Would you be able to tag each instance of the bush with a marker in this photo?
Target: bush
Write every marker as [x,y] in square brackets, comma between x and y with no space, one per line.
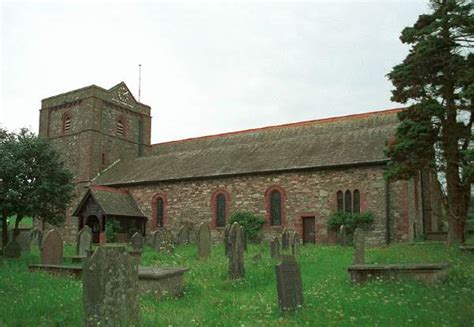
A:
[350,220]
[112,227]
[251,223]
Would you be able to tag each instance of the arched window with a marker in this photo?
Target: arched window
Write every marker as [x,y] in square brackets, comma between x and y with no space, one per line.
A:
[220,202]
[158,208]
[220,210]
[275,208]
[340,201]
[348,201]
[356,199]
[66,123]
[120,127]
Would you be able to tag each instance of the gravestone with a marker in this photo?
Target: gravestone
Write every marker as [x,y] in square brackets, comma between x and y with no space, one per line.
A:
[35,236]
[289,284]
[24,240]
[226,240]
[137,242]
[295,243]
[183,235]
[275,248]
[343,235]
[52,248]
[84,241]
[285,239]
[12,250]
[167,240]
[203,240]
[359,246]
[110,288]
[155,240]
[236,253]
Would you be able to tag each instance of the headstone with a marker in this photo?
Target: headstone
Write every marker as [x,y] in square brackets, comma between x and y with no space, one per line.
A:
[35,236]
[285,241]
[155,240]
[12,250]
[275,248]
[84,241]
[110,288]
[295,243]
[52,248]
[359,246]
[24,240]
[289,284]
[236,253]
[167,241]
[137,242]
[183,235]
[343,235]
[203,241]
[226,240]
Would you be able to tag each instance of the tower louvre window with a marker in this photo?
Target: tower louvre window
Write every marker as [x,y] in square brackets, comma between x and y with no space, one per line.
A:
[66,123]
[120,127]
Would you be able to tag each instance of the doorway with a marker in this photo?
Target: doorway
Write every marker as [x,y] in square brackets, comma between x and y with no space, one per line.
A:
[93,223]
[309,233]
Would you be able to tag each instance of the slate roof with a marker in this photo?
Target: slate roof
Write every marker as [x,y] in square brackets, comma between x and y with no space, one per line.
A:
[349,140]
[112,202]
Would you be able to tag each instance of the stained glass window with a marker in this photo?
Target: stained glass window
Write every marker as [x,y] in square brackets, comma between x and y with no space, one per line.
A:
[220,210]
[160,211]
[275,208]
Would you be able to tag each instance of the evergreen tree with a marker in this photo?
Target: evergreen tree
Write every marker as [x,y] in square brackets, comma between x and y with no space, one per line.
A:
[33,180]
[436,81]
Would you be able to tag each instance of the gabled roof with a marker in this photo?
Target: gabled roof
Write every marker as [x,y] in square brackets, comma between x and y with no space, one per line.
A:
[112,201]
[341,141]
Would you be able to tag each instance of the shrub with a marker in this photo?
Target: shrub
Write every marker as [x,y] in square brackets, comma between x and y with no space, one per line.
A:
[252,224]
[112,227]
[350,220]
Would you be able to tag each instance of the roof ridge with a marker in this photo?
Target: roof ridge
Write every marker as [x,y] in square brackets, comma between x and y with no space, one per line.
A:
[109,189]
[295,124]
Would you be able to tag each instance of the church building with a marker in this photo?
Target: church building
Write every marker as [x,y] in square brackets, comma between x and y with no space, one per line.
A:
[294,175]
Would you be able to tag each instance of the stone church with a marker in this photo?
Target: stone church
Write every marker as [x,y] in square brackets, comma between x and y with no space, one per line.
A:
[294,175]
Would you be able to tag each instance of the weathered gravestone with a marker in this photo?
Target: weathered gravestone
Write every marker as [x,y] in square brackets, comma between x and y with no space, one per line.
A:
[52,248]
[236,253]
[24,240]
[289,284]
[35,236]
[84,241]
[167,241]
[183,235]
[137,242]
[226,240]
[155,240]
[343,235]
[110,288]
[203,240]
[275,248]
[12,250]
[285,239]
[359,246]
[295,243]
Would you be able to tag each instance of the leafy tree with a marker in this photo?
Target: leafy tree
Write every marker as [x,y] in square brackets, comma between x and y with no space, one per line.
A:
[34,182]
[436,80]
[250,222]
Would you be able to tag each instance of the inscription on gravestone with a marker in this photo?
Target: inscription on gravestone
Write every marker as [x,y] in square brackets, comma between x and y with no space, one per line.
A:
[289,284]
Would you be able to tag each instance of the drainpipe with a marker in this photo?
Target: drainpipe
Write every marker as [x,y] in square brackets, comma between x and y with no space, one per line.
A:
[387,212]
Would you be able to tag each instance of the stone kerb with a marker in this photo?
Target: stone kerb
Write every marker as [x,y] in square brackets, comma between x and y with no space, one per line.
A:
[52,248]
[204,240]
[289,284]
[110,288]
[236,253]
[84,241]
[137,241]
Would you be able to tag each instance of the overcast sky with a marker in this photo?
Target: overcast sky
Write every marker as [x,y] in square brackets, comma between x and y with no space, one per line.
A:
[207,67]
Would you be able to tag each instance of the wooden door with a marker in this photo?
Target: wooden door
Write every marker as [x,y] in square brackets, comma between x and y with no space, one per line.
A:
[309,233]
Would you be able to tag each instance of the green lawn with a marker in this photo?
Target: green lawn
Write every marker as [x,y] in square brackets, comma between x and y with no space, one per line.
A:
[210,299]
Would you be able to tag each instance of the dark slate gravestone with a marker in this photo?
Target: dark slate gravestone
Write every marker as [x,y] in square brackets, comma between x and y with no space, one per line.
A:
[137,242]
[24,240]
[236,253]
[275,248]
[12,250]
[295,243]
[84,241]
[35,236]
[359,246]
[183,235]
[110,288]
[343,235]
[285,241]
[52,248]
[226,240]
[203,241]
[289,284]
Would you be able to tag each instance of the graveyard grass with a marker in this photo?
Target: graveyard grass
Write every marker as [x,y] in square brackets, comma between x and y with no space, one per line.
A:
[211,299]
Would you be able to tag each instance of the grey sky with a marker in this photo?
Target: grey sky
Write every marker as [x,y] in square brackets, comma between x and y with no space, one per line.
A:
[207,67]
